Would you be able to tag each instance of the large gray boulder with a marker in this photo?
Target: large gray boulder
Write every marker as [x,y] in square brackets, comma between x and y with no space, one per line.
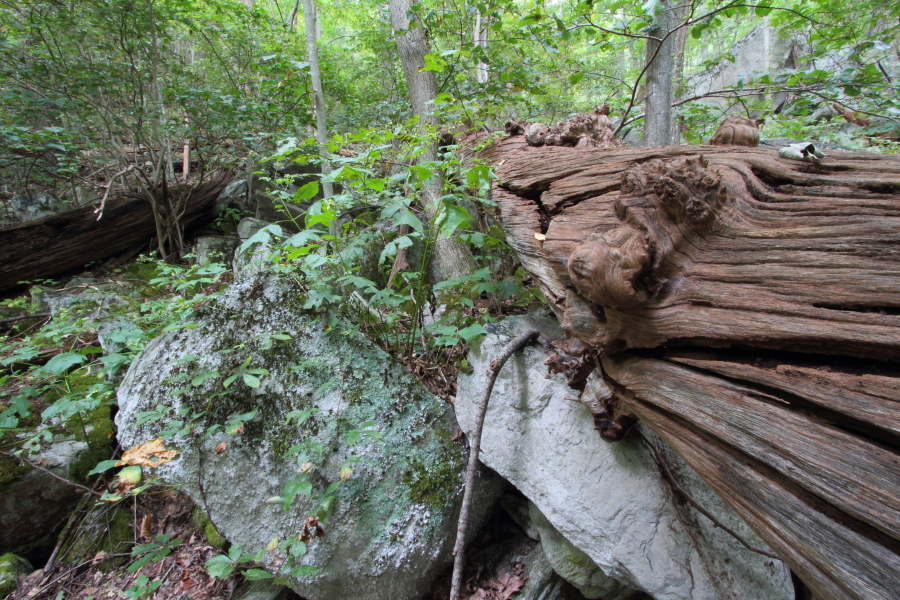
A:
[392,526]
[608,500]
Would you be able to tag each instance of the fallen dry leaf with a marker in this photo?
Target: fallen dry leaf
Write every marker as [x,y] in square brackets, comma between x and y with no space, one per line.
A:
[221,447]
[146,524]
[149,454]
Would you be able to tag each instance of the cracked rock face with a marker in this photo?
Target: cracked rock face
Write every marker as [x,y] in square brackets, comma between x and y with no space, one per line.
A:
[609,501]
[392,526]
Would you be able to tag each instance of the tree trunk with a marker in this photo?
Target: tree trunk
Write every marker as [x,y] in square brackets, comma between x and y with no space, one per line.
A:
[745,307]
[451,258]
[479,38]
[309,13]
[660,68]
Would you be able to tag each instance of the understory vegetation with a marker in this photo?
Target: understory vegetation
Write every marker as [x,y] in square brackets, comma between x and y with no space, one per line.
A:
[128,98]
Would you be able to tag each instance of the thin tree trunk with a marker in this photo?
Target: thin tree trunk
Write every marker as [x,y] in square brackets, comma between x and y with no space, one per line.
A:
[661,64]
[309,12]
[479,37]
[451,258]
[681,13]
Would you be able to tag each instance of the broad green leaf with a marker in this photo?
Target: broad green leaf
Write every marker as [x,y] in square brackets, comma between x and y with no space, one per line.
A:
[407,217]
[306,192]
[471,332]
[63,362]
[219,566]
[451,218]
[576,77]
[251,380]
[257,574]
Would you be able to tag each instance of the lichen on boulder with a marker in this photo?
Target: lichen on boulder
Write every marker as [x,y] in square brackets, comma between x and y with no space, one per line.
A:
[391,527]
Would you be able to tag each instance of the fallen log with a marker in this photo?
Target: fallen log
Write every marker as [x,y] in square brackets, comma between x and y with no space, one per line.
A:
[745,307]
[59,243]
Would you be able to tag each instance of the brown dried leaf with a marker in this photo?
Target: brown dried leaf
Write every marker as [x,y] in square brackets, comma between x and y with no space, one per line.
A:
[221,447]
[146,524]
[149,454]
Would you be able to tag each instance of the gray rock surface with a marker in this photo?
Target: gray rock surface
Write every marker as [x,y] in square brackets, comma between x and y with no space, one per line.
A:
[34,505]
[214,248]
[392,526]
[36,205]
[608,500]
[249,226]
[573,565]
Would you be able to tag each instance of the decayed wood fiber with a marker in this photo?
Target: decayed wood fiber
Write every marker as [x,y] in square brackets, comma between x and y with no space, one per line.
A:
[746,308]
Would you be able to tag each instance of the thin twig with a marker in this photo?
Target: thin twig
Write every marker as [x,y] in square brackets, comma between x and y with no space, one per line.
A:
[474,448]
[108,188]
[667,475]
[48,472]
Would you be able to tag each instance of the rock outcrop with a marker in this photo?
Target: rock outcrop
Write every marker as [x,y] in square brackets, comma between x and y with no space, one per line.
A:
[611,502]
[391,527]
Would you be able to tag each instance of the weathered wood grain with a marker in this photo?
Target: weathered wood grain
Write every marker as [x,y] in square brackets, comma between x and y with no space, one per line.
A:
[59,243]
[745,307]
[812,272]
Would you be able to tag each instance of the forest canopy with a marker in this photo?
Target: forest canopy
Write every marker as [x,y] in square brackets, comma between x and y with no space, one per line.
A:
[87,83]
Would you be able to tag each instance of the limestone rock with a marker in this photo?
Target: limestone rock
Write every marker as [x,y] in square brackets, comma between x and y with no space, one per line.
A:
[607,500]
[33,206]
[249,226]
[214,248]
[392,526]
[34,503]
[573,565]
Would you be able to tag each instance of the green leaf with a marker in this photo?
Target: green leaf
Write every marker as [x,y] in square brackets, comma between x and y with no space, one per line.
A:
[762,11]
[251,380]
[257,574]
[62,362]
[306,192]
[407,217]
[103,467]
[199,379]
[576,77]
[219,566]
[304,571]
[451,218]
[472,331]
[227,383]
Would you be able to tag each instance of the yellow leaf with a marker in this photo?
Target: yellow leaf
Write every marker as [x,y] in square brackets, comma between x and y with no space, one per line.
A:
[306,467]
[540,237]
[346,473]
[149,454]
[272,545]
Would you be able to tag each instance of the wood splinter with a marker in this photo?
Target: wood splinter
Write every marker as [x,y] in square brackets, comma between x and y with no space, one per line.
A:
[474,448]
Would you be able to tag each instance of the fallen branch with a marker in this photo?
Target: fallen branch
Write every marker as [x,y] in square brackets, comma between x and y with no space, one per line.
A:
[23,317]
[474,447]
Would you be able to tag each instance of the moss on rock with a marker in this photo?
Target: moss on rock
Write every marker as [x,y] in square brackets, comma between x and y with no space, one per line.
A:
[204,524]
[11,566]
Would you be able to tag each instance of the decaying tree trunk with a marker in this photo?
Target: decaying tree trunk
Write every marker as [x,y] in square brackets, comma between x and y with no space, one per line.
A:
[747,309]
[59,243]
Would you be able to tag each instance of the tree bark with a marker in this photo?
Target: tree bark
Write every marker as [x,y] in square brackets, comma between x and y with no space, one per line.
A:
[660,69]
[745,307]
[312,47]
[451,258]
[60,243]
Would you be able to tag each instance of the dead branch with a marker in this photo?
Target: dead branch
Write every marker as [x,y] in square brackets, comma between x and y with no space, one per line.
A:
[474,447]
